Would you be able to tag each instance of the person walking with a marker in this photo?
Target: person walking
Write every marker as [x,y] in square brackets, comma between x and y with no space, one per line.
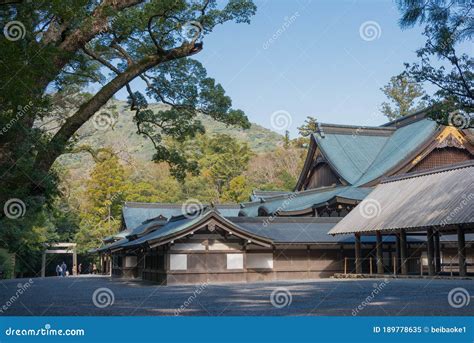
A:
[58,270]
[64,268]
[94,269]
[80,269]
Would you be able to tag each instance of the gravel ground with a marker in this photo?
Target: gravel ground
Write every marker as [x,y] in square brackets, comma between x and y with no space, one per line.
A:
[81,296]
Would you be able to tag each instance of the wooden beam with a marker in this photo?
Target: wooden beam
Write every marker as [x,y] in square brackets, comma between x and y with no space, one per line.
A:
[403,252]
[379,253]
[462,252]
[358,253]
[430,251]
[59,251]
[61,245]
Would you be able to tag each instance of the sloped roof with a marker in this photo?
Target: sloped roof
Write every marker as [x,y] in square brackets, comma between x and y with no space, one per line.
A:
[136,213]
[119,235]
[148,225]
[435,198]
[274,230]
[362,154]
[305,199]
[258,194]
[181,224]
[113,245]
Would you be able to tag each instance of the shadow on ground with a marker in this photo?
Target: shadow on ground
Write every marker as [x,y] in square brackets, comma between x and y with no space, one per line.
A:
[329,297]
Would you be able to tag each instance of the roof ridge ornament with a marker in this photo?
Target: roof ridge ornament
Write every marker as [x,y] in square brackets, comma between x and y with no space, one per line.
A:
[320,130]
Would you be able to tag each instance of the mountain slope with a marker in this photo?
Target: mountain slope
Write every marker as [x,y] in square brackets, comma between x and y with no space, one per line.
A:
[119,132]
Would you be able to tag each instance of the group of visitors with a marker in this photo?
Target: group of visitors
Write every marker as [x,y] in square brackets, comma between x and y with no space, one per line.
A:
[61,270]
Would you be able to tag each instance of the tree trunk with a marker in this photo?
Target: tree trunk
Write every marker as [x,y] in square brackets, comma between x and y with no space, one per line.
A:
[46,156]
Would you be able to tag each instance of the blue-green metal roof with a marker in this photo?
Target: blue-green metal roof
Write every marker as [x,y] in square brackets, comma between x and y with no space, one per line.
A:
[305,199]
[135,214]
[350,155]
[360,157]
[168,229]
[405,141]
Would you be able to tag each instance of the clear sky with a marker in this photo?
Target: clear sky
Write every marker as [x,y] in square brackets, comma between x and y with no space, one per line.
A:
[320,63]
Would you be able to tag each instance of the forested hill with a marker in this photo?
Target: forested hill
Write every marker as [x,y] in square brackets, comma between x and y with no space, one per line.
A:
[119,131]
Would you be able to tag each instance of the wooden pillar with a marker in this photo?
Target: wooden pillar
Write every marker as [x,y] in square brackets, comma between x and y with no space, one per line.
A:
[437,252]
[403,252]
[379,253]
[43,265]
[430,251]
[74,261]
[397,253]
[461,252]
[358,254]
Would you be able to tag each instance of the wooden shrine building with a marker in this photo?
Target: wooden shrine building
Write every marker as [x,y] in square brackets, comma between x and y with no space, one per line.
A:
[301,234]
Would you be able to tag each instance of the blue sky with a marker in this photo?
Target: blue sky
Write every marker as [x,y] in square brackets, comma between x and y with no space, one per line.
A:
[318,65]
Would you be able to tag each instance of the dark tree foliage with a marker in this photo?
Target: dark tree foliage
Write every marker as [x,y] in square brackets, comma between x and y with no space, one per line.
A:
[447,24]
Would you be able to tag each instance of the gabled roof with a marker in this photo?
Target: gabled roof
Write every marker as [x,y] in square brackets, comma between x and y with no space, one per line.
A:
[360,155]
[440,198]
[136,213]
[183,224]
[303,200]
[266,231]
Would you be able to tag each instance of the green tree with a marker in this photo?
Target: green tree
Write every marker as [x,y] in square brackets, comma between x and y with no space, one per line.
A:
[447,24]
[309,127]
[105,192]
[402,94]
[222,158]
[238,190]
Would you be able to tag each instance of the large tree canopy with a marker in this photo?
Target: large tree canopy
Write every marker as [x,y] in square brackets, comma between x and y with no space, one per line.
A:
[51,50]
[447,24]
